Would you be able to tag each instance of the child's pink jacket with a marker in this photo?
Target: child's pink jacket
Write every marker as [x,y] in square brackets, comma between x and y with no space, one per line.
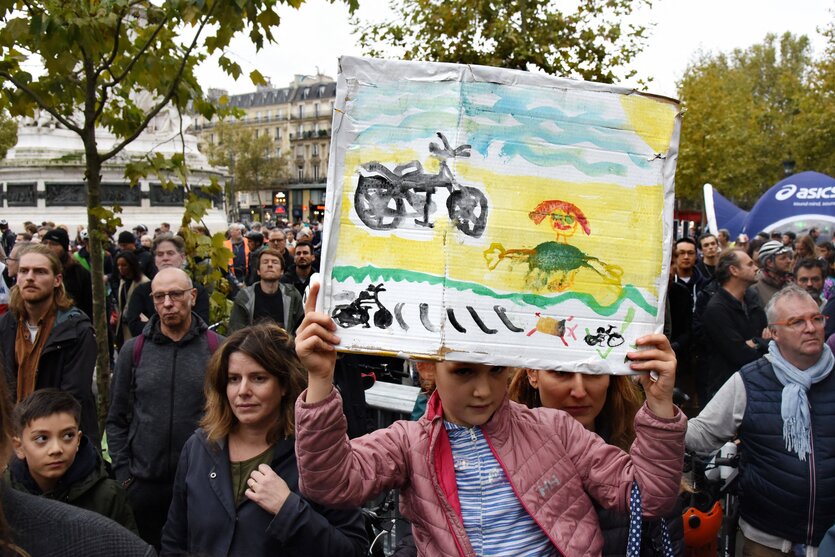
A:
[552,462]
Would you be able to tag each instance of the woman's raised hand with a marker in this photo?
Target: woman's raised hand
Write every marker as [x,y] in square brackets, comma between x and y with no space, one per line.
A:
[315,346]
[657,357]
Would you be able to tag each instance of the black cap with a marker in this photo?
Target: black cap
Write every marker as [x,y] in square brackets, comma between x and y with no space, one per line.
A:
[256,236]
[59,236]
[125,237]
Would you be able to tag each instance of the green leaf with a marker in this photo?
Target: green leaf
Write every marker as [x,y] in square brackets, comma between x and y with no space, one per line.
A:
[257,78]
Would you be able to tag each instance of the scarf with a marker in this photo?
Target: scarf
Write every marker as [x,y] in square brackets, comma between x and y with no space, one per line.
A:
[794,406]
[28,354]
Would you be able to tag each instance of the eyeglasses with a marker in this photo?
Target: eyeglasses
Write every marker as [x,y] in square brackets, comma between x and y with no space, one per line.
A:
[175,295]
[798,323]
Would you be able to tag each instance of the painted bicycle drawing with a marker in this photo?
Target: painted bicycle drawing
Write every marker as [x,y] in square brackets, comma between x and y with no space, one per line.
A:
[383,194]
[604,335]
[358,312]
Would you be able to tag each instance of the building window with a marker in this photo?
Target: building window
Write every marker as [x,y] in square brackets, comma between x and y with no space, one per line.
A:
[316,110]
[278,134]
[321,90]
[315,172]
[301,174]
[315,150]
[299,130]
[301,111]
[306,92]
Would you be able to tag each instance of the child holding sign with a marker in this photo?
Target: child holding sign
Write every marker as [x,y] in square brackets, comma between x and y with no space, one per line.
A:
[479,474]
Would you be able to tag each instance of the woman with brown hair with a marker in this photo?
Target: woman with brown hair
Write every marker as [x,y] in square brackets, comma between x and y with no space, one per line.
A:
[804,248]
[236,488]
[606,405]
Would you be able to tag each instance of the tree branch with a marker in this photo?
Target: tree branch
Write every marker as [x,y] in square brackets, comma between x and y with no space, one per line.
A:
[109,62]
[153,112]
[118,79]
[41,103]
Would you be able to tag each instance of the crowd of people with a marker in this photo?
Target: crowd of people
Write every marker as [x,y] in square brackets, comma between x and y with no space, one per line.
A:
[241,446]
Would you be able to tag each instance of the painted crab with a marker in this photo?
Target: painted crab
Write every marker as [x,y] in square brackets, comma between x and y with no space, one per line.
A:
[553,265]
[565,218]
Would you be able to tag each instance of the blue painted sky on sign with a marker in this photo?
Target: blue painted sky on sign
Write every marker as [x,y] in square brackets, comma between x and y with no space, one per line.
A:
[517,120]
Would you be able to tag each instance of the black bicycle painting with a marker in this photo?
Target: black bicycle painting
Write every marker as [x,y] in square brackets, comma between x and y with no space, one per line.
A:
[382,194]
[358,312]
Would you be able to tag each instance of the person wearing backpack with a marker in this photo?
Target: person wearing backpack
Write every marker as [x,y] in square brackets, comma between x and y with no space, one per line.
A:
[157,398]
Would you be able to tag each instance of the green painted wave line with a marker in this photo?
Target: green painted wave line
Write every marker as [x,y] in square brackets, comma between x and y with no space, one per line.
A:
[372,273]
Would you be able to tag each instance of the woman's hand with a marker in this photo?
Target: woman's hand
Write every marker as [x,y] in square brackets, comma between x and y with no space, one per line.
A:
[267,489]
[315,343]
[658,357]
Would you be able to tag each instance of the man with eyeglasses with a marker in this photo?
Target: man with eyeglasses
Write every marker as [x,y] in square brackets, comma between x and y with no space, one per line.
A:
[157,398]
[169,251]
[13,262]
[732,324]
[780,407]
[278,241]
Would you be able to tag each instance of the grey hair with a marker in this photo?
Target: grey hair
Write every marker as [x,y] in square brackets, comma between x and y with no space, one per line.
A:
[789,291]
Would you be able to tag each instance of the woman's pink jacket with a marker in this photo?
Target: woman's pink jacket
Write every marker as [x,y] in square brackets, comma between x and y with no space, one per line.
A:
[554,465]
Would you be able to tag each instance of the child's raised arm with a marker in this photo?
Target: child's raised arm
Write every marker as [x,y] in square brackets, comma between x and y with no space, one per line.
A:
[658,357]
[315,342]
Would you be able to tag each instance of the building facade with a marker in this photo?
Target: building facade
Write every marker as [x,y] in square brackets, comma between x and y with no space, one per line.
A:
[298,118]
[42,177]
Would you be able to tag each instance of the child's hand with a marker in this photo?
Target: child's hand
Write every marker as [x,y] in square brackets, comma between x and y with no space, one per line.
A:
[660,358]
[267,489]
[315,347]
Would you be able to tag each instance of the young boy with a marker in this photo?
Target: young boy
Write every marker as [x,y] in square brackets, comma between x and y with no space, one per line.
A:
[56,460]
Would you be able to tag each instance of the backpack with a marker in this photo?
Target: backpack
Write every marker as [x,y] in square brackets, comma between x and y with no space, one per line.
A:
[212,339]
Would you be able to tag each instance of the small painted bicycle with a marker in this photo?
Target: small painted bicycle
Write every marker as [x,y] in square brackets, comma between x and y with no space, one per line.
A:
[382,194]
[609,336]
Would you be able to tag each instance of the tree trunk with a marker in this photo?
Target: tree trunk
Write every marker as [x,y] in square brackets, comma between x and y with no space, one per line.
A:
[97,233]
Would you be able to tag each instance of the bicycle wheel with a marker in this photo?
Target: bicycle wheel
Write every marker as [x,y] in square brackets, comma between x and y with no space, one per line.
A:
[377,203]
[468,209]
[592,340]
[614,340]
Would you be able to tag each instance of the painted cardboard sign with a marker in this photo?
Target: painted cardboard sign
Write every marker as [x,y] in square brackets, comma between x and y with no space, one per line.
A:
[488,215]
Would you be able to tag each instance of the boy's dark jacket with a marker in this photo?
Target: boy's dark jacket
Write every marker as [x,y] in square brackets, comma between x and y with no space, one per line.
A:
[85,485]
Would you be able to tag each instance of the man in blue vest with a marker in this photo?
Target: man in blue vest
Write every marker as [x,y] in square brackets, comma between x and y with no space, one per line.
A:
[781,408]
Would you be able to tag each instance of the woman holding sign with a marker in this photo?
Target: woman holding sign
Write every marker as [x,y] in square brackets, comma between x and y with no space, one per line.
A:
[606,405]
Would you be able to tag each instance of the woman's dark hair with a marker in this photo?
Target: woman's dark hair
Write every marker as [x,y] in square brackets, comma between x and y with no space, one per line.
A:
[133,264]
[272,348]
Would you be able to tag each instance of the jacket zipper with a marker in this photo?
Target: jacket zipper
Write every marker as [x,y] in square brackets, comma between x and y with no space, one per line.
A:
[519,497]
[810,528]
[449,510]
[171,413]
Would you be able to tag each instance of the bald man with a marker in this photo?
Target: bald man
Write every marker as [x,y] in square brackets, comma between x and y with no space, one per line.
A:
[157,398]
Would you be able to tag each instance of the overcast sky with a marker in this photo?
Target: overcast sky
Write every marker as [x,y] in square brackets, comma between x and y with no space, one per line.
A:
[319,32]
